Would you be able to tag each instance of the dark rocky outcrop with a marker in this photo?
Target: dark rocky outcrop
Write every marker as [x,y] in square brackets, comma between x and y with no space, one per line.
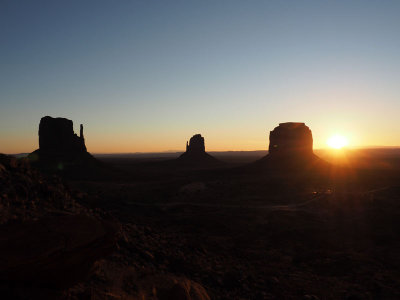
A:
[56,135]
[55,251]
[48,241]
[291,139]
[196,144]
[179,289]
[196,153]
[27,195]
[63,151]
[291,149]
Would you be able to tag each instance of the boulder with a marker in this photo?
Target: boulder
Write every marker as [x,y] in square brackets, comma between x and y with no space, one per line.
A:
[183,289]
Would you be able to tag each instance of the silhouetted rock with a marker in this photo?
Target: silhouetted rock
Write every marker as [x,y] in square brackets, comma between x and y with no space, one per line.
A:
[56,135]
[196,144]
[196,153]
[61,150]
[291,149]
[291,139]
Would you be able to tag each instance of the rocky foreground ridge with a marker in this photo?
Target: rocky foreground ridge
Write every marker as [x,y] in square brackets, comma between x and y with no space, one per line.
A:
[53,247]
[48,242]
[26,195]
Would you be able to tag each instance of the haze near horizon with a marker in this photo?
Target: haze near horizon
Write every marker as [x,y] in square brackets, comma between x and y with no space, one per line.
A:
[146,76]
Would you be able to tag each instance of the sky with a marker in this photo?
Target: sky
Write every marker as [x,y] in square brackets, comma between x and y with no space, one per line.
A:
[144,76]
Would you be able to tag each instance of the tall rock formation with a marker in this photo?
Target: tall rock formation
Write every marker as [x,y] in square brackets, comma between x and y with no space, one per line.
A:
[291,151]
[196,144]
[291,139]
[60,149]
[196,153]
[56,135]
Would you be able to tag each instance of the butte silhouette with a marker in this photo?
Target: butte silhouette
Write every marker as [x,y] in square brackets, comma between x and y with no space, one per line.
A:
[291,149]
[196,153]
[59,147]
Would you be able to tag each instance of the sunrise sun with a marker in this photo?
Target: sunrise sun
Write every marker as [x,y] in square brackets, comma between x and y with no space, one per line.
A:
[337,141]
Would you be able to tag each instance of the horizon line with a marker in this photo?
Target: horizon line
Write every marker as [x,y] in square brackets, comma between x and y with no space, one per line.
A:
[216,151]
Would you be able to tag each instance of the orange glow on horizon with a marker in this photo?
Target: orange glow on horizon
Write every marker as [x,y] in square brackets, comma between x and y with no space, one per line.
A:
[214,141]
[337,141]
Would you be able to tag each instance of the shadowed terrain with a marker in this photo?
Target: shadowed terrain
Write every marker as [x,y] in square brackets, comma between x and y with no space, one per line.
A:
[286,225]
[254,234]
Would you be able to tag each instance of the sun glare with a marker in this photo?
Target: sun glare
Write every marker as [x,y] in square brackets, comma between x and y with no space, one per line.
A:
[337,141]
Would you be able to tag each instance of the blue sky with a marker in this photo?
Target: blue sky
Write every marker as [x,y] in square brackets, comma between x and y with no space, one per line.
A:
[146,75]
